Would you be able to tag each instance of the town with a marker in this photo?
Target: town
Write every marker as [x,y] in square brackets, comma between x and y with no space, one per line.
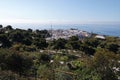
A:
[66,34]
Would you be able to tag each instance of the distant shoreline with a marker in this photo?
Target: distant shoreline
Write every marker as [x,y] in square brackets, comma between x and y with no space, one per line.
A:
[103,29]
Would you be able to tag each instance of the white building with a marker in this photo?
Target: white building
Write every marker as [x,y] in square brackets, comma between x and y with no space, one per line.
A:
[99,37]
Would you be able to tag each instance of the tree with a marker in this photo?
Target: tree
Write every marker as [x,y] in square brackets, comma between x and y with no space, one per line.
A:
[40,43]
[30,30]
[92,42]
[8,27]
[18,63]
[73,38]
[88,50]
[102,64]
[4,41]
[73,45]
[112,47]
[1,26]
[27,41]
[43,58]
[3,54]
[16,36]
[60,44]
[42,33]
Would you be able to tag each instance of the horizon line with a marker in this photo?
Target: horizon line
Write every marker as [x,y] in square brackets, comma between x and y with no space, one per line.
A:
[29,21]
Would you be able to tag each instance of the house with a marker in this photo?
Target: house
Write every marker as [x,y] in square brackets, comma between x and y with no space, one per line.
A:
[100,37]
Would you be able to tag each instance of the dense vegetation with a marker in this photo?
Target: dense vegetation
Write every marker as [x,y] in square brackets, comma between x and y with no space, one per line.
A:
[26,55]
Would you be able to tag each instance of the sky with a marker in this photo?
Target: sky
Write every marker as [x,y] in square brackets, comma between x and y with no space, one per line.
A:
[60,11]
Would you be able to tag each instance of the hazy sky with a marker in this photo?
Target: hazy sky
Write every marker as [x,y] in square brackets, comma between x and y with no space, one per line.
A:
[59,11]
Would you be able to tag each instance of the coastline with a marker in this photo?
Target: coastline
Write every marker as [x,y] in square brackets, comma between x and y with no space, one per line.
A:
[105,29]
[102,29]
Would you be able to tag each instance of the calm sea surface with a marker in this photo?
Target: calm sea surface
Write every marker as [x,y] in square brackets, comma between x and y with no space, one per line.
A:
[112,30]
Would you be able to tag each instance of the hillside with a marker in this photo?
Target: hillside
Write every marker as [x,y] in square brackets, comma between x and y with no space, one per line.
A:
[58,55]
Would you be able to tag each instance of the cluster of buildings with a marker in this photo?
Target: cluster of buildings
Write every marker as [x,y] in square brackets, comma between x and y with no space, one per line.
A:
[66,34]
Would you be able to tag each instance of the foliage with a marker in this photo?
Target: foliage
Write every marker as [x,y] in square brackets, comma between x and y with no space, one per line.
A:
[85,59]
[44,72]
[102,62]
[40,43]
[59,44]
[88,50]
[8,75]
[4,41]
[44,58]
[16,62]
[92,42]
[112,47]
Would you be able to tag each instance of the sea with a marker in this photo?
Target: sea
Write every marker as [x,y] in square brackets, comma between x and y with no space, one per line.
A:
[102,29]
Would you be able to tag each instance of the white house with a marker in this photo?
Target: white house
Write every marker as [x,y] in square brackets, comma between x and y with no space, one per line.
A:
[99,37]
